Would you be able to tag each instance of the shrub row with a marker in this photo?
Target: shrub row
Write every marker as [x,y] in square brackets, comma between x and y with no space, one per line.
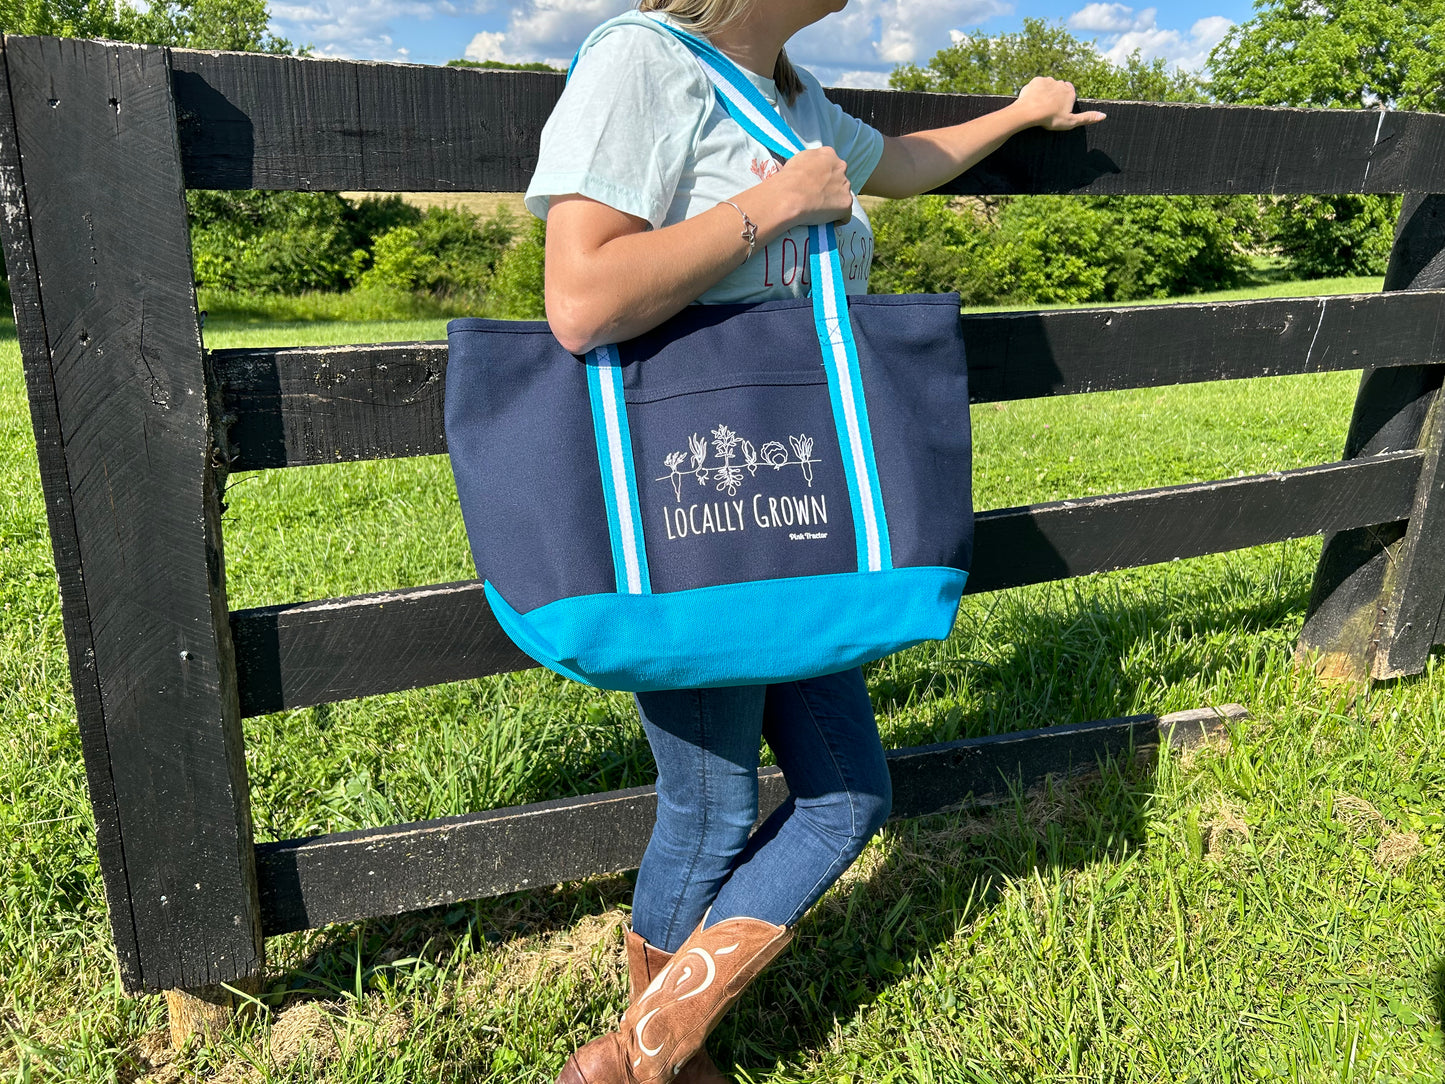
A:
[295,242]
[1077,249]
[1009,250]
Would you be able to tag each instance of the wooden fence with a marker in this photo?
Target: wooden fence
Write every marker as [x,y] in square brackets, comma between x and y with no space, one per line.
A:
[137,427]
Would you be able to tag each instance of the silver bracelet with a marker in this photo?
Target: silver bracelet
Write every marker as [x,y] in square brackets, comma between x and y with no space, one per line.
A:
[750,229]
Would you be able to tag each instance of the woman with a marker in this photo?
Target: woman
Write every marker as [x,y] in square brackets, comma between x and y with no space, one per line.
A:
[655,199]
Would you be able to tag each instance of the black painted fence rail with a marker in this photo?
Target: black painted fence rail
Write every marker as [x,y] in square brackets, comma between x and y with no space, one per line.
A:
[346,876]
[254,121]
[300,654]
[300,406]
[137,428]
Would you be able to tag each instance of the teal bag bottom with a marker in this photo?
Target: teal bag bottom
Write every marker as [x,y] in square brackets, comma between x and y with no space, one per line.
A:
[752,633]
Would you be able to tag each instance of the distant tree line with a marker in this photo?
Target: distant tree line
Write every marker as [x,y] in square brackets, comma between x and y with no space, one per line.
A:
[1040,249]
[189,24]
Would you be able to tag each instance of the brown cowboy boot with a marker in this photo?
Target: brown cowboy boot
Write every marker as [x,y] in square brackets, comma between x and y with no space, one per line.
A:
[671,1018]
[644,961]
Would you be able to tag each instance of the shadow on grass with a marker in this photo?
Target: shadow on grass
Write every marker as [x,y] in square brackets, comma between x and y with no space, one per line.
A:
[935,876]
[1079,651]
[930,877]
[888,916]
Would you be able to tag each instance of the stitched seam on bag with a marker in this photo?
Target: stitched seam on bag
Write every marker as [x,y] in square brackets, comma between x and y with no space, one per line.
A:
[543,329]
[647,398]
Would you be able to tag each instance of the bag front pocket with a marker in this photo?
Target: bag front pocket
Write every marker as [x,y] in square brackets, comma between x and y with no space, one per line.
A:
[741,482]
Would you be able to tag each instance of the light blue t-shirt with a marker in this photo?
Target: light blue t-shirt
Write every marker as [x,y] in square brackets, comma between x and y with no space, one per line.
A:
[639,128]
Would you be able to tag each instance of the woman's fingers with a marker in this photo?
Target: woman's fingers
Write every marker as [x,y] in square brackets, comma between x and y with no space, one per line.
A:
[818,182]
[1050,103]
[1077,120]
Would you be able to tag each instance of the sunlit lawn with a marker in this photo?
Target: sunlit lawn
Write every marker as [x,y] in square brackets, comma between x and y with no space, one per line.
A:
[1267,909]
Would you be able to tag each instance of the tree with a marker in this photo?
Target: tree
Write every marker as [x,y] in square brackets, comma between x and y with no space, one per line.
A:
[1041,249]
[191,24]
[446,252]
[1003,63]
[924,246]
[502,65]
[285,242]
[1351,54]
[238,25]
[64,18]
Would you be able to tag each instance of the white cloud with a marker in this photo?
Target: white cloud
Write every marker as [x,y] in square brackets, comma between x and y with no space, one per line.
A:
[360,29]
[842,77]
[877,35]
[545,30]
[488,46]
[1185,50]
[1210,31]
[1126,30]
[860,44]
[1110,19]
[297,13]
[557,27]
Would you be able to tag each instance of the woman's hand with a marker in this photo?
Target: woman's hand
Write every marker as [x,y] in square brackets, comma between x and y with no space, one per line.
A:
[812,188]
[609,277]
[1049,104]
[921,161]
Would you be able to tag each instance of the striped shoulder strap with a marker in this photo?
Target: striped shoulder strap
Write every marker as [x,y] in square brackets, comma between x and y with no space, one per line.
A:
[762,121]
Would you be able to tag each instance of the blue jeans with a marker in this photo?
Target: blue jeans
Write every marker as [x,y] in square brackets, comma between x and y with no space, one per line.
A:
[706,744]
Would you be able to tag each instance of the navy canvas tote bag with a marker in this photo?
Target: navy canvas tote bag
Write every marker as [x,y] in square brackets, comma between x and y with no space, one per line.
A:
[746,494]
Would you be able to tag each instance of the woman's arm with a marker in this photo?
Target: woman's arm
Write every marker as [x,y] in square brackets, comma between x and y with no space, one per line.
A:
[921,161]
[609,278]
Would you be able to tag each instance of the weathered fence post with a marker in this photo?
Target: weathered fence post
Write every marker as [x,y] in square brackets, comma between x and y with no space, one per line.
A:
[98,251]
[1375,609]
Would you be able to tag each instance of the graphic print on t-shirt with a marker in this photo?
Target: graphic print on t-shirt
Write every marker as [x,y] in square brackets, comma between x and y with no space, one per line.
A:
[785,261]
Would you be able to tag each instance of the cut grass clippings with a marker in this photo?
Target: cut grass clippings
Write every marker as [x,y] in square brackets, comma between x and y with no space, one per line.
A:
[1267,908]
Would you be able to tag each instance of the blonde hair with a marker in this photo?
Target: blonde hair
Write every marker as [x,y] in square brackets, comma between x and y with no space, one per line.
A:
[705,17]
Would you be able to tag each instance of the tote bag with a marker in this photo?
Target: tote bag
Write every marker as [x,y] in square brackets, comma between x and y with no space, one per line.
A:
[746,494]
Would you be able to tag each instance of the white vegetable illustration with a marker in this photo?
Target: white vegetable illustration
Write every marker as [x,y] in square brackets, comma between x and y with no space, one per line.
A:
[699,455]
[673,461]
[803,448]
[729,475]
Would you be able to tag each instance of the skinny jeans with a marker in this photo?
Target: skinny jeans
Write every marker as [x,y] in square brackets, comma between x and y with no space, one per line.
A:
[706,744]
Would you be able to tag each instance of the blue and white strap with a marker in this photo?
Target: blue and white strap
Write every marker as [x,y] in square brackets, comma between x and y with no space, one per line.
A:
[619,478]
[761,120]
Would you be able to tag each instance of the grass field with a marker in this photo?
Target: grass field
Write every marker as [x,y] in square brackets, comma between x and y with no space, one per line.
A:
[1267,909]
[481,204]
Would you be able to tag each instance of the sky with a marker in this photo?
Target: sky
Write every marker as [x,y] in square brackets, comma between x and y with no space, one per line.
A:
[856,47]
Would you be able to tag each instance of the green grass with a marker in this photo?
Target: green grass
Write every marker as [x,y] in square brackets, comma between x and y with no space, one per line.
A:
[1266,288]
[233,309]
[1268,909]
